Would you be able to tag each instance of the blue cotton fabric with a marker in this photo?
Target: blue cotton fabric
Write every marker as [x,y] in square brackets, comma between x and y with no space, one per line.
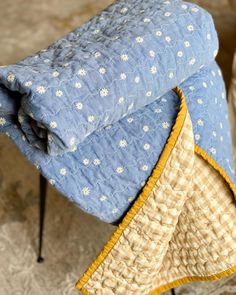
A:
[94,110]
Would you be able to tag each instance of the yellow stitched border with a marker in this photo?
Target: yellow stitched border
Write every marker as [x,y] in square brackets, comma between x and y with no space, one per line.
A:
[144,194]
[191,279]
[216,166]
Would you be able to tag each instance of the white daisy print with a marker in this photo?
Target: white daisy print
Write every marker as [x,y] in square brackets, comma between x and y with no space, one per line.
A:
[122,76]
[119,170]
[23,138]
[123,143]
[96,31]
[78,85]
[171,75]
[158,110]
[96,162]
[152,53]
[28,83]
[200,122]
[63,171]
[145,128]
[197,136]
[214,133]
[186,44]
[41,89]
[10,78]
[2,121]
[192,61]
[85,191]
[213,150]
[199,101]
[195,9]
[165,125]
[103,92]
[114,210]
[86,162]
[59,93]
[123,10]
[192,88]
[124,57]
[130,120]
[208,36]
[82,72]
[153,70]
[146,20]
[184,6]
[79,105]
[72,141]
[55,74]
[190,28]
[103,198]
[20,119]
[204,84]
[167,14]
[180,53]
[137,79]
[53,124]
[102,70]
[145,167]
[146,146]
[149,93]
[168,39]
[121,100]
[139,39]
[158,33]
[130,199]
[97,54]
[52,181]
[91,119]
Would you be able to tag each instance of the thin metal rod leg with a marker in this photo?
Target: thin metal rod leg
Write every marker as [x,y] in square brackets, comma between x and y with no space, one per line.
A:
[42,207]
[173,292]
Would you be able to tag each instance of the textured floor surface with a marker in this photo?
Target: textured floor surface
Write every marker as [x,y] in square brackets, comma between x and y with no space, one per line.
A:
[72,238]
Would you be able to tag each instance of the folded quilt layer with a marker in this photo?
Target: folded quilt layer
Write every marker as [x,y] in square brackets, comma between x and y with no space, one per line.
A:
[94,110]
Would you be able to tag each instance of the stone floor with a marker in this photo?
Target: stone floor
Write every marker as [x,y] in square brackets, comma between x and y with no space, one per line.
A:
[72,238]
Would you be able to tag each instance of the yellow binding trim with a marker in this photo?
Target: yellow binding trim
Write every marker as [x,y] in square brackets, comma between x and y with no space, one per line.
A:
[143,195]
[190,279]
[216,166]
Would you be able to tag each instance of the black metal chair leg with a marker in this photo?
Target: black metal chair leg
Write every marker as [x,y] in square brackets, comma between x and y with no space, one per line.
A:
[42,206]
[173,291]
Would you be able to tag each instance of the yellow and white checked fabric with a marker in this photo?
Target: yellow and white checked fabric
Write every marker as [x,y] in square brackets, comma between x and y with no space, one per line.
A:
[182,227]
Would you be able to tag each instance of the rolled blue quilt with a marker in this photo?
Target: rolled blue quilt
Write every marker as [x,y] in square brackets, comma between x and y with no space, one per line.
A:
[95,109]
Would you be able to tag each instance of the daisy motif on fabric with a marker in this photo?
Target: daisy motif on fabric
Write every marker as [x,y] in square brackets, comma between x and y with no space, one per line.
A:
[145,128]
[103,92]
[53,124]
[123,143]
[2,121]
[86,162]
[78,85]
[85,191]
[103,198]
[165,125]
[139,39]
[63,171]
[124,57]
[144,167]
[28,83]
[96,162]
[122,76]
[10,78]
[119,170]
[41,89]
[79,105]
[102,70]
[82,72]
[59,93]
[153,70]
